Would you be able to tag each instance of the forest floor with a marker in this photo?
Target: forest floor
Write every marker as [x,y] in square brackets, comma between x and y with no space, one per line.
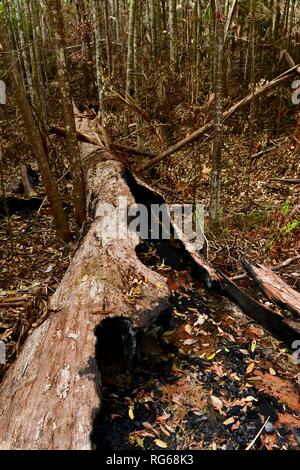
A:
[212,377]
[209,379]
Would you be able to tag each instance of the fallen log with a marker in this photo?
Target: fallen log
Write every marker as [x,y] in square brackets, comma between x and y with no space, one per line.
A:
[273,287]
[51,394]
[277,325]
[209,126]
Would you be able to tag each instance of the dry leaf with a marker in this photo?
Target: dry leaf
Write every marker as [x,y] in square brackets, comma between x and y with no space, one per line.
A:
[244,351]
[115,416]
[150,428]
[163,417]
[188,328]
[250,368]
[140,442]
[235,426]
[217,403]
[211,356]
[161,444]
[272,371]
[229,421]
[189,342]
[131,412]
[249,398]
[164,430]
[144,433]
[169,428]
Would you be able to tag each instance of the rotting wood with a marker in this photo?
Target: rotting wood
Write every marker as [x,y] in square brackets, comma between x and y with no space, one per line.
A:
[279,266]
[273,287]
[50,395]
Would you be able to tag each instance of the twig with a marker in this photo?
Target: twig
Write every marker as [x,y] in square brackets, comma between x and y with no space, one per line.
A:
[287,180]
[45,198]
[264,151]
[257,435]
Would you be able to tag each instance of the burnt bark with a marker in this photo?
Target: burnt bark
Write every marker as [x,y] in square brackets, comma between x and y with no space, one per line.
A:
[51,394]
[276,324]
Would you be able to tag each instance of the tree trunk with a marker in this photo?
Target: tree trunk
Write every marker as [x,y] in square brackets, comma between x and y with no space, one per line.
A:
[50,395]
[55,13]
[107,37]
[99,68]
[61,224]
[24,50]
[172,32]
[117,22]
[130,52]
[214,207]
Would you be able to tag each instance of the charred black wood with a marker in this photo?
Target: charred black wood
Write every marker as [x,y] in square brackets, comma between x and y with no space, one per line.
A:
[19,205]
[33,177]
[279,326]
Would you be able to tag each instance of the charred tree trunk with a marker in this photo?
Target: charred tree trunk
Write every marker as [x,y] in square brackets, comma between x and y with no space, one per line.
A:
[50,395]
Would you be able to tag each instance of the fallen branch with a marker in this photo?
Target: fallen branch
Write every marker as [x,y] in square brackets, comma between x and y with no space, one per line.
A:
[279,266]
[89,139]
[16,299]
[209,126]
[273,287]
[287,180]
[266,150]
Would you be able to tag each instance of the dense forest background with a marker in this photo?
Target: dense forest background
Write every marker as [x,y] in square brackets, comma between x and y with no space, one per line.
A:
[200,99]
[153,72]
